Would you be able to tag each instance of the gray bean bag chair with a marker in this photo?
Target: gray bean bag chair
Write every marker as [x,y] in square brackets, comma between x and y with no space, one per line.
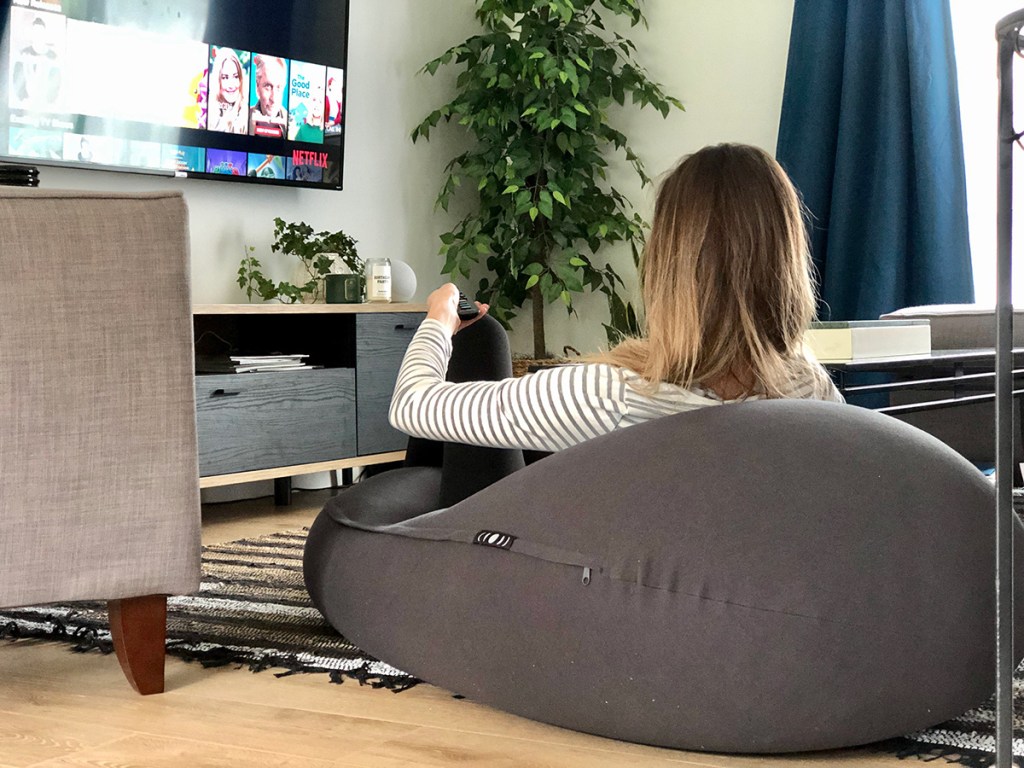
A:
[766,577]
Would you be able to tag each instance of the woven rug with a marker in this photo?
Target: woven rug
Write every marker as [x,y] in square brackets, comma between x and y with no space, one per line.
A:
[968,739]
[252,610]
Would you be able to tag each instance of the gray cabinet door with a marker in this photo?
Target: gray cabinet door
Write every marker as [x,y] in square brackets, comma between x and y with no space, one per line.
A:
[261,420]
[381,340]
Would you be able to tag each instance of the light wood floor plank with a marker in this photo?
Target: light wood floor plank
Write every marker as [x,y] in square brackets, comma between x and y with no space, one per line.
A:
[26,740]
[143,751]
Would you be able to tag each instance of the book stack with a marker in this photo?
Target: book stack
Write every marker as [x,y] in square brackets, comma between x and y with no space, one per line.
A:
[835,342]
[265,363]
[217,364]
[19,175]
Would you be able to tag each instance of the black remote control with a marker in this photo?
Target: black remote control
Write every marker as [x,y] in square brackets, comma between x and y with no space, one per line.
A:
[467,310]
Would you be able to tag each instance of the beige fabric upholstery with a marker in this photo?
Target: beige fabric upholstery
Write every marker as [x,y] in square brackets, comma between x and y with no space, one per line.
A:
[99,477]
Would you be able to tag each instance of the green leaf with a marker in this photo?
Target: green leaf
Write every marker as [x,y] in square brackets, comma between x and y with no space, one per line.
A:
[559,197]
[534,279]
[534,213]
[511,189]
[576,261]
[545,204]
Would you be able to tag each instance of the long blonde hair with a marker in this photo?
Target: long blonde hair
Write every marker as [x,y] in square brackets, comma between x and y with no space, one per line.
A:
[726,277]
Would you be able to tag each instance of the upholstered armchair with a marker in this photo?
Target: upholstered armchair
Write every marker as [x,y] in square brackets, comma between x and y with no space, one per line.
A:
[99,493]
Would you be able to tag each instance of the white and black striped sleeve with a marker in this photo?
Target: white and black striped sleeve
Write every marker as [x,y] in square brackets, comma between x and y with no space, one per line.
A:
[544,411]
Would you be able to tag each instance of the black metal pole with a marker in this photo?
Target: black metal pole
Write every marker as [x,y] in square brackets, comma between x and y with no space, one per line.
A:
[1006,34]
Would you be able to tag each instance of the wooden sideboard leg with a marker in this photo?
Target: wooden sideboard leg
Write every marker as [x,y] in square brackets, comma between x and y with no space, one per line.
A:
[138,627]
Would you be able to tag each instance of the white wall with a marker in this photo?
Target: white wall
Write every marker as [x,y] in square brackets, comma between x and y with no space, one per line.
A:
[725,60]
[975,41]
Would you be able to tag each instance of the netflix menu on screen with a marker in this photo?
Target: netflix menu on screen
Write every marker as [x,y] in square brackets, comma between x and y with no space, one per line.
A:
[93,93]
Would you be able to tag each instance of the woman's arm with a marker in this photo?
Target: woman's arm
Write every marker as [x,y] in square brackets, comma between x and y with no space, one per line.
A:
[545,411]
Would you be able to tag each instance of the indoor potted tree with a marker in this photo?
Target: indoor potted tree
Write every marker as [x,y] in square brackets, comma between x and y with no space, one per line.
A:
[535,94]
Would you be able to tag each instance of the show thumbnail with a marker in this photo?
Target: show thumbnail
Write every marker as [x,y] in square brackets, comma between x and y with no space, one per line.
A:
[307,166]
[306,102]
[268,99]
[102,150]
[335,101]
[193,115]
[38,41]
[266,166]
[33,142]
[183,159]
[228,90]
[145,154]
[224,162]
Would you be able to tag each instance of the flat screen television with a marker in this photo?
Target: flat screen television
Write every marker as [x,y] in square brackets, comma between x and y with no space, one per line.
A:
[237,90]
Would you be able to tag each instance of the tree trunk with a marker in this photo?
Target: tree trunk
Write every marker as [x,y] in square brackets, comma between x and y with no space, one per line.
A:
[540,347]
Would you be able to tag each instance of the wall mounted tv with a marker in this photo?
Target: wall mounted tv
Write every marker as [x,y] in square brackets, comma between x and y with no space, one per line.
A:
[239,90]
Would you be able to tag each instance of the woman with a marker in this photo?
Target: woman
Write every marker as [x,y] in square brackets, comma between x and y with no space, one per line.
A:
[227,93]
[728,294]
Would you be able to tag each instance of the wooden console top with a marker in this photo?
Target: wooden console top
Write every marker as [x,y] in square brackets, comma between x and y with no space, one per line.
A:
[302,309]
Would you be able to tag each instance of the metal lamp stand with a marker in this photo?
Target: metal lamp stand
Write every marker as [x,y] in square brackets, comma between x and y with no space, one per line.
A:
[1008,35]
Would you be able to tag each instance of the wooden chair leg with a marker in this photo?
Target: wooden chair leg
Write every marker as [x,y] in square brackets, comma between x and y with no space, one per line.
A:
[138,627]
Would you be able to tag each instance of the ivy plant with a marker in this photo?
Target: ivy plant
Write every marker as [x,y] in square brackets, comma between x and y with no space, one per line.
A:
[535,94]
[318,252]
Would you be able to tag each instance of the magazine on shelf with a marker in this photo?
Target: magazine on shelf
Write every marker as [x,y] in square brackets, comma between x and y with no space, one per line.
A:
[267,359]
[214,364]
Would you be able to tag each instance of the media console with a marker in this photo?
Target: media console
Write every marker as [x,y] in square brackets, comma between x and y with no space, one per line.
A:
[275,425]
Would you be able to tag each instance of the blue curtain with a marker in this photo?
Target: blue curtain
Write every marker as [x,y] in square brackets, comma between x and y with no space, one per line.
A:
[870,134]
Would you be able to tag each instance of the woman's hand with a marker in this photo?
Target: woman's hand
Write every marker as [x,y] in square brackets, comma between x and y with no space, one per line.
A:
[443,306]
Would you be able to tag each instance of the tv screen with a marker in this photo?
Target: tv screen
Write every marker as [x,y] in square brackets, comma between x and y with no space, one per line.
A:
[237,90]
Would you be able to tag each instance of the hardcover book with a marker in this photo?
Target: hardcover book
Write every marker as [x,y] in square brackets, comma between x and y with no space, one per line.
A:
[833,342]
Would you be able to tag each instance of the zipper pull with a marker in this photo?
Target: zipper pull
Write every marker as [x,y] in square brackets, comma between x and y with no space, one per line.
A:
[586,575]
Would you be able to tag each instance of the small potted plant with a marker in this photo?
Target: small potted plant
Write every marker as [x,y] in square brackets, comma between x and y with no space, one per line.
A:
[319,254]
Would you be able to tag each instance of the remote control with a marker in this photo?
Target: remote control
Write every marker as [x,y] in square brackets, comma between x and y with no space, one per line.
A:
[467,310]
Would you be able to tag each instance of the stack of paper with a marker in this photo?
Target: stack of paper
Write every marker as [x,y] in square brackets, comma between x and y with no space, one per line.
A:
[264,363]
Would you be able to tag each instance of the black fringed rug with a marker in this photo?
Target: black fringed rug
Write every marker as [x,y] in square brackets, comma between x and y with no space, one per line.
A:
[252,610]
[968,739]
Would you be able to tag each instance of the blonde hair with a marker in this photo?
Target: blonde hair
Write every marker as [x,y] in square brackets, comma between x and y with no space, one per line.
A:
[726,277]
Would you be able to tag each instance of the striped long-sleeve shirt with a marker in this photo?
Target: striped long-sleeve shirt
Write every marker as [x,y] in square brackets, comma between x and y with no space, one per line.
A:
[545,411]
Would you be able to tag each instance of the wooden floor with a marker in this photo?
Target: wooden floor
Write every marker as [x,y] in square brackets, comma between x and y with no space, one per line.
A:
[63,709]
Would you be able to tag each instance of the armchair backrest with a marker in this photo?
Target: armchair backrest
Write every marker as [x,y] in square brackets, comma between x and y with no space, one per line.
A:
[99,490]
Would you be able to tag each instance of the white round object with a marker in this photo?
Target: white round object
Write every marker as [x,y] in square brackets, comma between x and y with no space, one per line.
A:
[403,281]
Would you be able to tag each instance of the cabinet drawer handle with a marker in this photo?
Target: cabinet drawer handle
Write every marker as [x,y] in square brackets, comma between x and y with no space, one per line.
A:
[223,393]
[404,327]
